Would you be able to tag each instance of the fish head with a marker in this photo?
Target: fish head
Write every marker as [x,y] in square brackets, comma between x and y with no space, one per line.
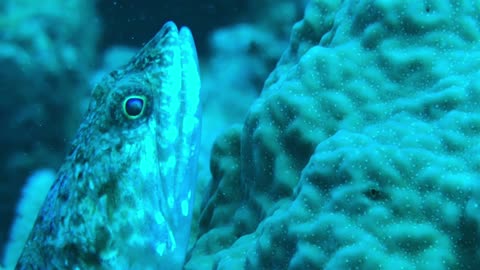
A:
[137,153]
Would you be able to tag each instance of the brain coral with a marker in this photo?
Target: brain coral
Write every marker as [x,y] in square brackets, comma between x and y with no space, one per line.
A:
[362,151]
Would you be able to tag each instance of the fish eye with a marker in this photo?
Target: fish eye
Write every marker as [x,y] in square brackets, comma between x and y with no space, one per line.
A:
[134,106]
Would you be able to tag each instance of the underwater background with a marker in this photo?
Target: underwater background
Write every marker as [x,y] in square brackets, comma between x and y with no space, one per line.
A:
[336,134]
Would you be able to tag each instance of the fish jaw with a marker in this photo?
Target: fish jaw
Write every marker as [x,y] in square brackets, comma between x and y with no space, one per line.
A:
[175,143]
[123,199]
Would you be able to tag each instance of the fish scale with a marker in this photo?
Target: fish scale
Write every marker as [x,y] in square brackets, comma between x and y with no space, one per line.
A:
[123,199]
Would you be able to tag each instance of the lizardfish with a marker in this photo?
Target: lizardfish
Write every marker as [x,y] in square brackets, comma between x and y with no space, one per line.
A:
[123,198]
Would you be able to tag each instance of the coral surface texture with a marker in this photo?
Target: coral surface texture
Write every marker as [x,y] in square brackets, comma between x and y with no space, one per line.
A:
[363,150]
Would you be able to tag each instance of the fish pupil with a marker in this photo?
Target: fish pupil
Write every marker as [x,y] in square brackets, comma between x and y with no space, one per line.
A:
[134,107]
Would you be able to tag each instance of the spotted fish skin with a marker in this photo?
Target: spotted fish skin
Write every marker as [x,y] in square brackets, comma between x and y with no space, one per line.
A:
[123,198]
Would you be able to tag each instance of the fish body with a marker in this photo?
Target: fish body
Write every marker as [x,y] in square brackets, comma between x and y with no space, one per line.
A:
[123,198]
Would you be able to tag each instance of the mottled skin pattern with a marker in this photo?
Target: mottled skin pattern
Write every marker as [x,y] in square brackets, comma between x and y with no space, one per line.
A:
[123,198]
